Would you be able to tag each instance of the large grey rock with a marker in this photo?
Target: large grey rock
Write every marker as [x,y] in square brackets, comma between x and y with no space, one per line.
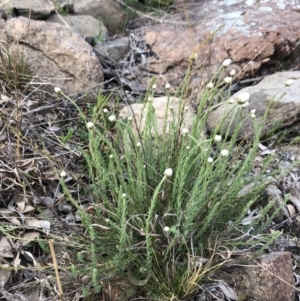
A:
[58,56]
[114,49]
[273,106]
[110,12]
[166,112]
[87,26]
[35,9]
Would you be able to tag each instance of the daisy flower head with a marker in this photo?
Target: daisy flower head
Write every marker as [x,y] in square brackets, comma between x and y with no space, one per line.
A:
[210,85]
[57,90]
[168,172]
[90,125]
[243,97]
[228,80]
[232,72]
[224,153]
[112,118]
[63,174]
[226,63]
[184,131]
[218,138]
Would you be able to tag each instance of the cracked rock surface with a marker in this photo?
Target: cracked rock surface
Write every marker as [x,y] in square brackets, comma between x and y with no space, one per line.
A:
[56,53]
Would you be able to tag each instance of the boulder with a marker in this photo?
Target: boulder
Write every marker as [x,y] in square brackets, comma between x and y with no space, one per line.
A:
[115,49]
[166,111]
[87,26]
[35,9]
[270,277]
[275,105]
[57,55]
[255,35]
[110,12]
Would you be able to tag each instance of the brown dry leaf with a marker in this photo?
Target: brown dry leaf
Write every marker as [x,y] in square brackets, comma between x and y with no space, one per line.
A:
[17,260]
[251,216]
[51,116]
[47,201]
[20,203]
[30,258]
[3,134]
[5,274]
[228,291]
[296,202]
[46,213]
[6,248]
[64,207]
[291,209]
[40,117]
[28,208]
[54,188]
[29,237]
[18,198]
[33,222]
[12,297]
[10,216]
[35,294]
[262,147]
[53,129]
[5,99]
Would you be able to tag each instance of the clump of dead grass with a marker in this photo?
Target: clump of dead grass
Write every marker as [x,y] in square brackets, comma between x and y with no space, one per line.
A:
[15,71]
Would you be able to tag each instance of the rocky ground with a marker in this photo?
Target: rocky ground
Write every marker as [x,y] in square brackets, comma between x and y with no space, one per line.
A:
[76,47]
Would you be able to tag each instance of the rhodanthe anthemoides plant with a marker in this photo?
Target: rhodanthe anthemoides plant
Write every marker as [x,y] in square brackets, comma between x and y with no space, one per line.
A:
[165,208]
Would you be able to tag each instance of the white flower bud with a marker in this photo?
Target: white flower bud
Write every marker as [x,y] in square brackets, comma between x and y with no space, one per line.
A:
[154,86]
[232,72]
[168,172]
[210,85]
[139,144]
[166,229]
[227,80]
[243,97]
[89,125]
[63,174]
[231,101]
[129,118]
[112,118]
[57,90]
[226,63]
[184,131]
[168,86]
[123,195]
[218,138]
[111,156]
[252,115]
[210,160]
[244,105]
[289,82]
[105,111]
[253,111]
[193,57]
[224,153]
